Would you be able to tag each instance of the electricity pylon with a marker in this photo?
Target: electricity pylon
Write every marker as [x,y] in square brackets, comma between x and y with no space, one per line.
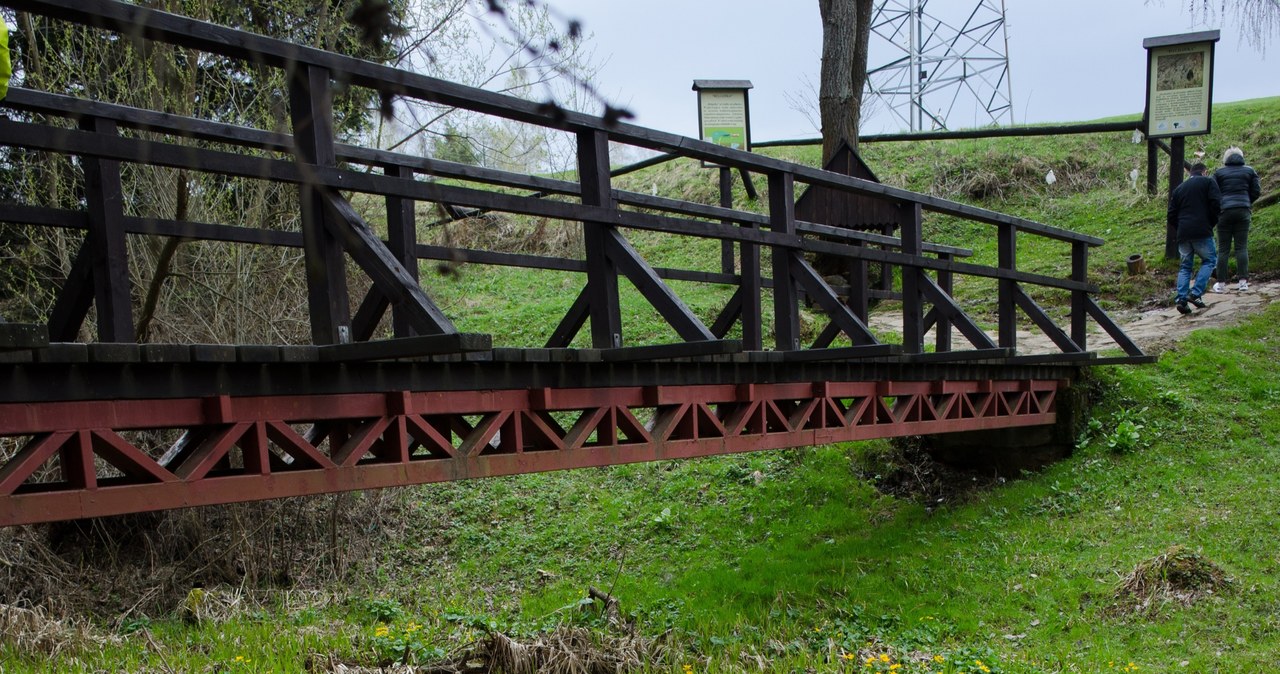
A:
[932,70]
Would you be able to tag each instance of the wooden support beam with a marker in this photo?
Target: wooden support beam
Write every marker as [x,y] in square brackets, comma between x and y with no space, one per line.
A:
[731,312]
[1007,245]
[74,298]
[826,298]
[311,111]
[391,277]
[572,323]
[1109,326]
[1079,307]
[372,308]
[942,324]
[912,311]
[946,306]
[602,276]
[1177,165]
[105,242]
[402,239]
[726,201]
[628,261]
[782,220]
[750,286]
[1042,321]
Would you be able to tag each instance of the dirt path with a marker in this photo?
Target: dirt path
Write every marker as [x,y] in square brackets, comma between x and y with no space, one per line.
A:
[1159,328]
[1153,330]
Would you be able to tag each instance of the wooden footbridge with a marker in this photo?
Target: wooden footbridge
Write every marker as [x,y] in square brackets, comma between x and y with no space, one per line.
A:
[389,392]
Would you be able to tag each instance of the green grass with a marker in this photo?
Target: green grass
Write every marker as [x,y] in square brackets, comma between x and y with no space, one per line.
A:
[793,560]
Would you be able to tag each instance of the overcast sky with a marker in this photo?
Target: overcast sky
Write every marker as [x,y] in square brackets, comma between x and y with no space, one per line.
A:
[1069,61]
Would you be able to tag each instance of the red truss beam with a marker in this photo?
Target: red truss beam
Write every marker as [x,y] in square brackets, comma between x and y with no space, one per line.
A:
[69,460]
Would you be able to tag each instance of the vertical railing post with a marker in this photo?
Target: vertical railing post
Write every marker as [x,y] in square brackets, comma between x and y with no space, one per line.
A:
[912,316]
[105,242]
[942,325]
[1177,165]
[1079,298]
[1007,305]
[782,220]
[311,111]
[602,276]
[886,269]
[402,239]
[750,285]
[859,292]
[726,201]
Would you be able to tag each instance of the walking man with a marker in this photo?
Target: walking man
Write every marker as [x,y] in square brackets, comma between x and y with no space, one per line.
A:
[1193,209]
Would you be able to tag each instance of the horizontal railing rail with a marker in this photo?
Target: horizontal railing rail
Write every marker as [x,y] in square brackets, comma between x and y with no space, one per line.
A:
[323,170]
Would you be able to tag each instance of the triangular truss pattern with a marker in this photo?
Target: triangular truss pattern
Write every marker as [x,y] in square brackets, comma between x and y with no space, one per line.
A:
[231,450]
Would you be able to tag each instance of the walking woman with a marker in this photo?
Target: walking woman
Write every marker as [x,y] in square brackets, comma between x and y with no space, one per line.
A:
[1240,188]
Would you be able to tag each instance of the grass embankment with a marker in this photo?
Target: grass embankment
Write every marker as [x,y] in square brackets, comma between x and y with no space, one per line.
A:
[794,560]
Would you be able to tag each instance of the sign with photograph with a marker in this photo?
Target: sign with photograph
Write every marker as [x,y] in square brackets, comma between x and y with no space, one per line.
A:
[723,114]
[1179,84]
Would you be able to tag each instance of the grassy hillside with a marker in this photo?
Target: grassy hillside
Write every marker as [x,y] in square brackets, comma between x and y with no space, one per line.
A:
[1151,550]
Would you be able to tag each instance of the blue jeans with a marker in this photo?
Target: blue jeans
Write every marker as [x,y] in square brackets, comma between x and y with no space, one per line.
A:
[1208,259]
[1233,232]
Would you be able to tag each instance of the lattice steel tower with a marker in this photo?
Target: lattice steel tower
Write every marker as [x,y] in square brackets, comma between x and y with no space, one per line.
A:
[927,69]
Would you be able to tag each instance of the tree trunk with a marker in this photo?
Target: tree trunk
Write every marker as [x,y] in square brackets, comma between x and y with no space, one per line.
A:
[846,29]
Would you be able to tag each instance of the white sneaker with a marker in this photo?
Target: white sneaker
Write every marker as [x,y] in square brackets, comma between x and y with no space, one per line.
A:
[1217,288]
[1244,285]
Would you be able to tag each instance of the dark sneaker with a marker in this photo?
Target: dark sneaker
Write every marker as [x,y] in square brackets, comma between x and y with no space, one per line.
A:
[1197,302]
[1183,308]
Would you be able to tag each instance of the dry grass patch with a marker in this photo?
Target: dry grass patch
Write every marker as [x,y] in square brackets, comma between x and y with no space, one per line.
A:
[1176,576]
[32,632]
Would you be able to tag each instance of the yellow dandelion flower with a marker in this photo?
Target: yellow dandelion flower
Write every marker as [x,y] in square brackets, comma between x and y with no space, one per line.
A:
[239,658]
[884,657]
[895,666]
[939,658]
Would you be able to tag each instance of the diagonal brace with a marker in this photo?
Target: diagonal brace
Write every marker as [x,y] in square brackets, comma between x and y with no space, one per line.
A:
[659,294]
[377,260]
[1037,315]
[944,305]
[841,315]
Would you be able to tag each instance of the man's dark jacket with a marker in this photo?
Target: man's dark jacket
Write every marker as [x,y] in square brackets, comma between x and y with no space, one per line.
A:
[1194,207]
[1239,183]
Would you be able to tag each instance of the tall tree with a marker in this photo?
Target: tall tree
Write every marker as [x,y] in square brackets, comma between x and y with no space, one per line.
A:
[846,31]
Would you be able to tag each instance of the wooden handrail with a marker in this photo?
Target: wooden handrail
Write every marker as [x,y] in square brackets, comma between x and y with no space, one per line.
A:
[170,28]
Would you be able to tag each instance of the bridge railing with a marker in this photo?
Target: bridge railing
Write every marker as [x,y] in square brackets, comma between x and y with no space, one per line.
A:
[324,169]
